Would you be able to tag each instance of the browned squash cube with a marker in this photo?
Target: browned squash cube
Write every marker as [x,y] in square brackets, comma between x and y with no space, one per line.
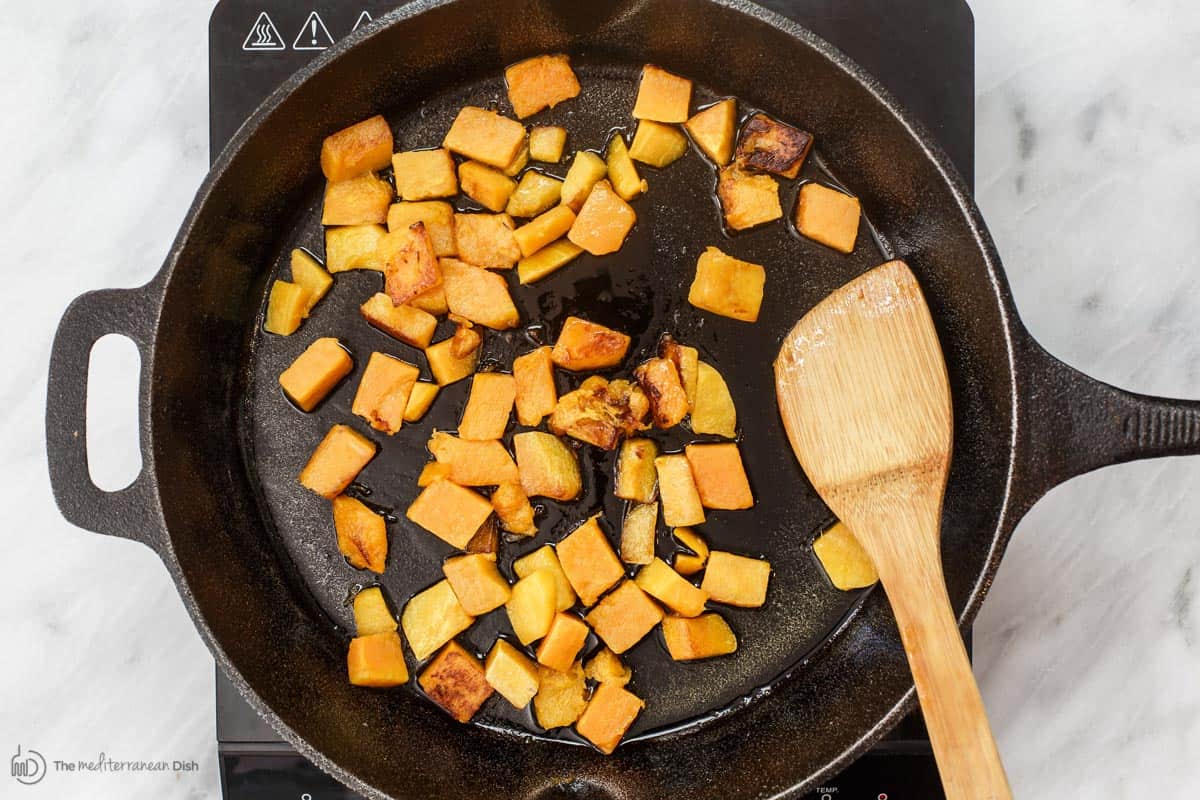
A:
[419,401]
[358,149]
[667,586]
[624,617]
[705,636]
[687,361]
[536,394]
[315,372]
[589,562]
[662,97]
[549,259]
[357,201]
[473,463]
[377,660]
[424,174]
[844,560]
[586,346]
[546,144]
[361,534]
[410,325]
[736,580]
[336,462]
[548,467]
[747,200]
[409,265]
[478,295]
[562,642]
[768,145]
[286,307]
[511,673]
[531,606]
[659,379]
[354,247]
[540,82]
[719,475]
[693,562]
[513,508]
[371,612]
[483,135]
[728,286]
[606,667]
[450,512]
[308,272]
[712,130]
[561,696]
[455,681]
[544,558]
[488,407]
[433,617]
[477,583]
[486,240]
[603,222]
[827,216]
[586,170]
[680,499]
[489,187]
[448,368]
[431,301]
[608,715]
[549,227]
[713,411]
[637,533]
[637,478]
[535,194]
[383,392]
[601,413]
[437,216]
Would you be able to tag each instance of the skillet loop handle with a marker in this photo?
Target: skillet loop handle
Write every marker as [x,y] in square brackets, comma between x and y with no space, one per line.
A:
[132,512]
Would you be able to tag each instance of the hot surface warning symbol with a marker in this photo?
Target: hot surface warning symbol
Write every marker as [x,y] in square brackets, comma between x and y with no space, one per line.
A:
[363,19]
[313,35]
[263,36]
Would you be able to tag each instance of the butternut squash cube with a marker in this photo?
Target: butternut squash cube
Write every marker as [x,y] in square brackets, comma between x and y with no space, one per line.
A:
[548,467]
[409,266]
[478,295]
[659,379]
[606,667]
[705,636]
[447,368]
[361,534]
[549,259]
[713,411]
[466,339]
[286,307]
[608,715]
[455,681]
[768,145]
[531,606]
[410,325]
[657,144]
[546,143]
[432,618]
[664,584]
[622,173]
[728,286]
[377,660]
[827,216]
[844,560]
[637,477]
[544,558]
[562,642]
[536,234]
[513,508]
[586,170]
[589,562]
[586,346]
[747,200]
[371,612]
[436,215]
[354,247]
[680,498]
[662,97]
[600,412]
[561,696]
[519,163]
[476,582]
[419,401]
[624,617]
[336,462]
[363,200]
[693,562]
[536,394]
[736,580]
[637,533]
[450,512]
[431,301]
[539,83]
[315,372]
[361,148]
[424,174]
[687,362]
[488,408]
[434,470]
[486,240]
[511,673]
[486,540]
[603,222]
[482,135]
[719,475]
[535,194]
[308,272]
[383,392]
[489,187]
[712,130]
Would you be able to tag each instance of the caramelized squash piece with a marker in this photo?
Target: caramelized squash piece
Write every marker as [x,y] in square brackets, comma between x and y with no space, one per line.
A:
[637,477]
[827,216]
[728,286]
[536,193]
[363,200]
[371,612]
[736,580]
[410,325]
[308,272]
[713,411]
[315,372]
[693,562]
[548,467]
[562,642]
[667,586]
[511,673]
[624,617]
[513,508]
[622,173]
[659,379]
[424,174]
[539,83]
[356,150]
[486,540]
[687,361]
[719,475]
[549,259]
[409,265]
[436,215]
[531,606]
[486,240]
[600,413]
[546,143]
[589,562]
[419,401]
[536,234]
[482,135]
[476,582]
[603,222]
[536,394]
[488,407]
[433,617]
[455,681]
[748,200]
[377,660]
[353,247]
[585,346]
[478,463]
[448,368]
[608,716]
[450,512]
[561,696]
[545,558]
[680,498]
[657,144]
[432,301]
[712,130]
[705,636]
[336,462]
[489,187]
[383,392]
[662,97]
[478,295]
[361,534]
[286,307]
[768,145]
[637,533]
[586,170]
[606,667]
[844,560]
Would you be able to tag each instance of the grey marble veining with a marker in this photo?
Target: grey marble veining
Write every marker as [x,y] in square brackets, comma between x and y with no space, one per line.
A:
[1088,649]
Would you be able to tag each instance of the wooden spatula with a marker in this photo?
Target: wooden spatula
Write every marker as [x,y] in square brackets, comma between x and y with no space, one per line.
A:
[863,391]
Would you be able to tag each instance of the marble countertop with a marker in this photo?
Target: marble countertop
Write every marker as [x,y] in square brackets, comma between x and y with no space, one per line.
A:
[1088,649]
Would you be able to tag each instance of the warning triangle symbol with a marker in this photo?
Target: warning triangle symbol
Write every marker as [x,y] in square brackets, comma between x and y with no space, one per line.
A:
[313,35]
[363,19]
[263,35]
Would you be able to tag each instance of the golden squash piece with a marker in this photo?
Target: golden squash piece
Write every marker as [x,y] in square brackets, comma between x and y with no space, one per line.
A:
[410,325]
[705,636]
[424,174]
[659,379]
[844,560]
[476,582]
[371,612]
[544,558]
[622,172]
[436,215]
[353,247]
[483,135]
[719,475]
[363,200]
[432,618]
[680,498]
[603,222]
[657,144]
[478,295]
[419,401]
[713,411]
[546,143]
[662,97]
[589,562]
[549,227]
[513,508]
[693,562]
[561,696]
[315,372]
[409,265]
[587,169]
[712,130]
[548,467]
[531,606]
[489,187]
[768,145]
[511,673]
[519,163]
[667,586]
[687,362]
[637,478]
[728,286]
[562,642]
[308,272]
[448,368]
[455,681]
[488,407]
[377,660]
[827,216]
[286,307]
[486,240]
[361,534]
[585,346]
[624,617]
[600,413]
[450,512]
[606,667]
[637,533]
[736,580]
[431,301]
[356,150]
[535,194]
[608,715]
[536,393]
[539,83]
[383,392]
[747,200]
[486,540]
[336,462]
[549,259]
[433,471]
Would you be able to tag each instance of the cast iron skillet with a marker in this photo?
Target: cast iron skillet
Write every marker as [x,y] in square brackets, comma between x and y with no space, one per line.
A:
[820,675]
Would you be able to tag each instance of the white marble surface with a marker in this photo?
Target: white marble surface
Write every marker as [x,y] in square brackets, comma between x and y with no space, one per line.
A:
[1089,152]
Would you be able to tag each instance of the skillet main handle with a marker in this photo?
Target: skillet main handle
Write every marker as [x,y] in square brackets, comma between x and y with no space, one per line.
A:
[132,512]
